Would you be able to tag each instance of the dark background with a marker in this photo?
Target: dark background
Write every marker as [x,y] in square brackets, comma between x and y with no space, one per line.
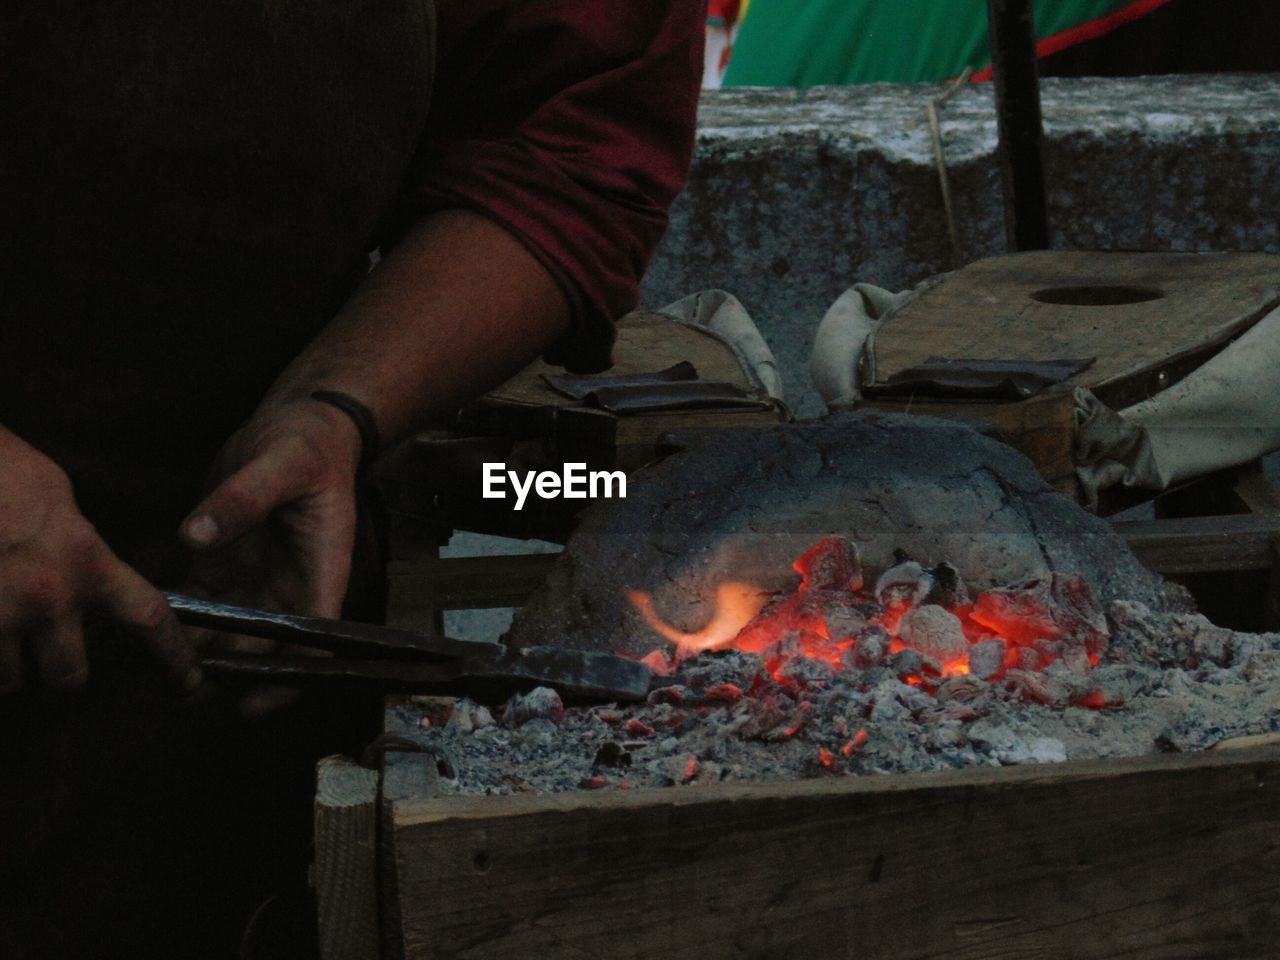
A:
[1184,36]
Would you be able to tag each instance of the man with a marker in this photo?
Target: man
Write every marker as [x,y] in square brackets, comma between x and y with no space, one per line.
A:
[191,191]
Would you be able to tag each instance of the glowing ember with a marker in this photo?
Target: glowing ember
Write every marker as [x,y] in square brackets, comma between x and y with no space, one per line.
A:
[830,564]
[638,728]
[921,618]
[724,692]
[1095,700]
[659,663]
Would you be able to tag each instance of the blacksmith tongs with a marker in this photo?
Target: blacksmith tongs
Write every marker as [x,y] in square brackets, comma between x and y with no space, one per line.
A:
[409,661]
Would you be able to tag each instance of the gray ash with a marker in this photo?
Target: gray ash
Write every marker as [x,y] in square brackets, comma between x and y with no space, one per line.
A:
[905,671]
[1165,682]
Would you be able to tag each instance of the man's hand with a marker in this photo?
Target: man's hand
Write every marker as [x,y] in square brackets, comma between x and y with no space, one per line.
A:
[55,572]
[278,529]
[457,306]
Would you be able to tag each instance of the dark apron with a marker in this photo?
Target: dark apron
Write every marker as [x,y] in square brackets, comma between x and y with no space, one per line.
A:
[188,192]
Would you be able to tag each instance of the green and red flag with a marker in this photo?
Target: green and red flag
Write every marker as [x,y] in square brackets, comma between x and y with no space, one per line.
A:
[803,43]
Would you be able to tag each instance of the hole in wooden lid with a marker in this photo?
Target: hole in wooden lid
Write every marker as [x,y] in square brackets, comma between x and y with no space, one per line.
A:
[1096,296]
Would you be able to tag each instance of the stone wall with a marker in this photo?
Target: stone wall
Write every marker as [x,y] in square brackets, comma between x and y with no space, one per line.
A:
[796,194]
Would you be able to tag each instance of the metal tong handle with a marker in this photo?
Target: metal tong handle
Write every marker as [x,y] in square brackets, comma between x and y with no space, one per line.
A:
[575,674]
[337,636]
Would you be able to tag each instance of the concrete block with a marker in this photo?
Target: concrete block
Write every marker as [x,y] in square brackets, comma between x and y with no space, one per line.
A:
[796,194]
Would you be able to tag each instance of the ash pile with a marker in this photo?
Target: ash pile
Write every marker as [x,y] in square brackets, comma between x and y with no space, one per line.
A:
[911,674]
[858,595]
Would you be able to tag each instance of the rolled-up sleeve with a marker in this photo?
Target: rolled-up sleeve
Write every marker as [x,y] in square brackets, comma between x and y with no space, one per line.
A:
[571,124]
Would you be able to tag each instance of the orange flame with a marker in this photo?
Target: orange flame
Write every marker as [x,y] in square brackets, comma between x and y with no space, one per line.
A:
[736,605]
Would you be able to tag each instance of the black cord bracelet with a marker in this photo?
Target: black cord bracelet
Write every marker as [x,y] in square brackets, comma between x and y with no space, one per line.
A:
[361,416]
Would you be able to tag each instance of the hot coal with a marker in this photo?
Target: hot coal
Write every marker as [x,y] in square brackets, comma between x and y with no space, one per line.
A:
[934,632]
[863,595]
[808,634]
[1164,681]
[708,534]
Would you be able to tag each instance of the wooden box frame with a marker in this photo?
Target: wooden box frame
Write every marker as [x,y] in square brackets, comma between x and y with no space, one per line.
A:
[1170,856]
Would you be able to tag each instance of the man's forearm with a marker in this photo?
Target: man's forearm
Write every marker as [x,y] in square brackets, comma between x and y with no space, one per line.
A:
[456,307]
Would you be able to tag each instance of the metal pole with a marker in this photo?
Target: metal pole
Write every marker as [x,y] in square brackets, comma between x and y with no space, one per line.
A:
[1017,80]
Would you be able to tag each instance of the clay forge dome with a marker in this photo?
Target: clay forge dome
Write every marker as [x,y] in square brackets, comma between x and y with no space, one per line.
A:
[711,535]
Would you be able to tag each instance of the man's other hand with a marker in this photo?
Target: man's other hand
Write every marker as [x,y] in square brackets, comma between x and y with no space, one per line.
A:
[56,572]
[278,529]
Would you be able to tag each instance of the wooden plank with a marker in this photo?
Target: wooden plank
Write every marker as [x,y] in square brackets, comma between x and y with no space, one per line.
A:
[346,860]
[406,777]
[989,310]
[1255,492]
[413,600]
[1202,544]
[1149,859]
[464,583]
[1271,612]
[1249,743]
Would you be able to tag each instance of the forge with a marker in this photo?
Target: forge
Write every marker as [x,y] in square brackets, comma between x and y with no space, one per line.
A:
[878,641]
[866,594]
[908,701]
[706,537]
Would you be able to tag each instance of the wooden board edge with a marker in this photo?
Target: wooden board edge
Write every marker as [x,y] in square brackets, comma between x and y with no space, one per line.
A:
[460,807]
[1115,385]
[1088,866]
[346,853]
[1178,545]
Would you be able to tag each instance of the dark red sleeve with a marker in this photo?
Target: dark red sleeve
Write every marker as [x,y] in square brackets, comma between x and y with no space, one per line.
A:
[571,124]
